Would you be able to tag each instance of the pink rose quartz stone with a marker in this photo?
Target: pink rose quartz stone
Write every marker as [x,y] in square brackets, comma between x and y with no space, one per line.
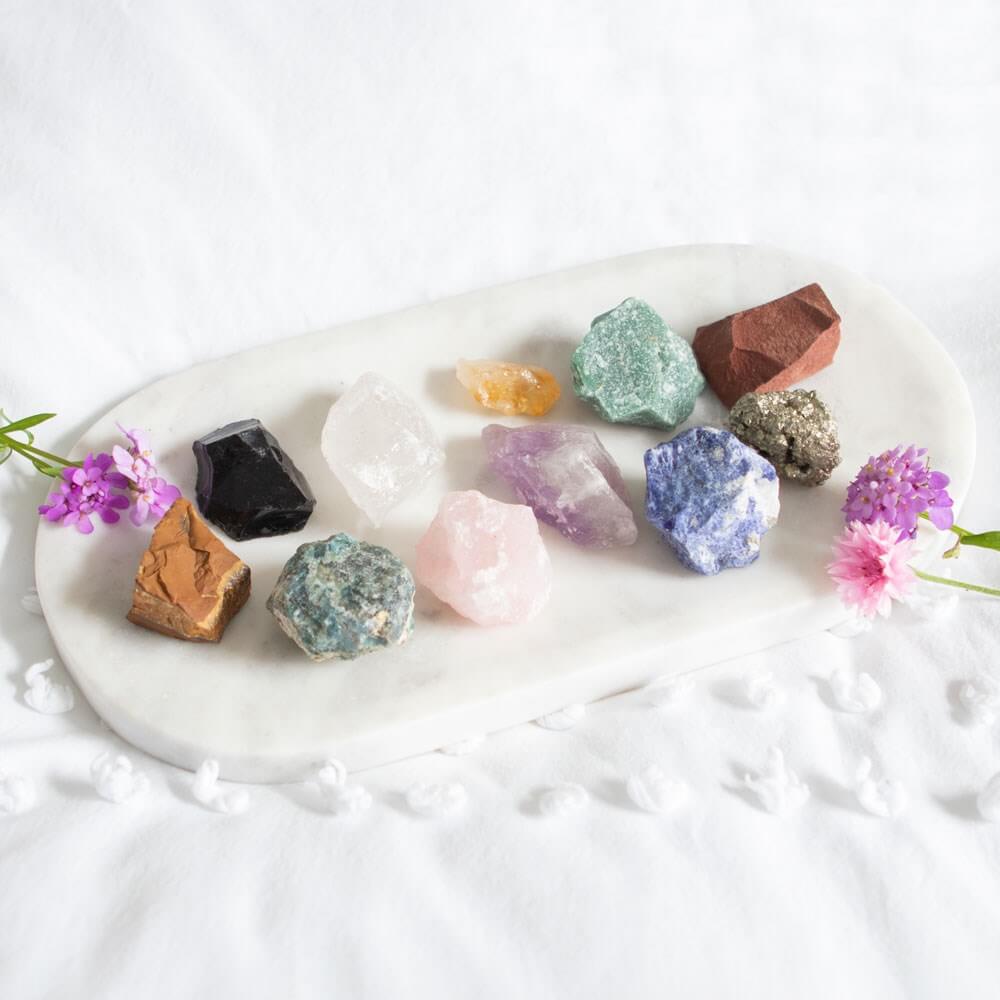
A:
[486,559]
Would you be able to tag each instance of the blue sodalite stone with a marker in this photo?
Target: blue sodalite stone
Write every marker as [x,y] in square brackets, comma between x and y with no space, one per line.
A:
[711,497]
[340,598]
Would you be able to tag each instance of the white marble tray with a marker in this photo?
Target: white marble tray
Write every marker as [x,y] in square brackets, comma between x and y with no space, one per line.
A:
[616,619]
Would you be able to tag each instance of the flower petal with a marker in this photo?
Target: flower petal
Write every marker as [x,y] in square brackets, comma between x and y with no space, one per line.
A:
[139,512]
[941,517]
[168,494]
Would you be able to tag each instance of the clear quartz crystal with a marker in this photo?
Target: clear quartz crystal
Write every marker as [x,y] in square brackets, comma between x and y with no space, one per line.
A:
[379,444]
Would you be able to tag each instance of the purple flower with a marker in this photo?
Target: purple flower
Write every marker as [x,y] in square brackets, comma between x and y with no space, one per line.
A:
[896,487]
[85,491]
[154,494]
[139,442]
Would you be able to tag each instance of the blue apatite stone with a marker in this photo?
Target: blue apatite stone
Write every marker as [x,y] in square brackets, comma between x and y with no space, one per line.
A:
[340,598]
[711,497]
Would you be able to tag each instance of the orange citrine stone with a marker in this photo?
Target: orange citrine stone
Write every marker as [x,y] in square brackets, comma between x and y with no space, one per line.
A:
[508,387]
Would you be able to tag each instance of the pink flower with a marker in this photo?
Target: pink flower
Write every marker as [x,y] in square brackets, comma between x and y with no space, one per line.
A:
[871,567]
[154,494]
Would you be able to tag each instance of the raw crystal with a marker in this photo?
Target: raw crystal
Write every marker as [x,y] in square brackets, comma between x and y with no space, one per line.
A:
[189,585]
[566,476]
[247,485]
[379,445]
[769,347]
[509,387]
[486,559]
[340,598]
[635,370]
[711,497]
[792,429]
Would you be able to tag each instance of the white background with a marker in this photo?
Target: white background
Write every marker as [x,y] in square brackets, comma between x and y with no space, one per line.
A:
[180,180]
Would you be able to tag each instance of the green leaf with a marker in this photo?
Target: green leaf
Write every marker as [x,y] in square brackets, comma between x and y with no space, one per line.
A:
[984,540]
[25,422]
[44,468]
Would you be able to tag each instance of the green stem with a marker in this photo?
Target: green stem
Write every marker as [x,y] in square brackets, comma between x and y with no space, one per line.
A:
[29,451]
[974,587]
[976,539]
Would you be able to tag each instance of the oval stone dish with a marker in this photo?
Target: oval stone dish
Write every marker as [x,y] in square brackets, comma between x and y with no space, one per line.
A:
[617,618]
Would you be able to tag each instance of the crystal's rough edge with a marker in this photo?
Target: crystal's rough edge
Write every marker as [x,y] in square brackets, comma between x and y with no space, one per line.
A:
[486,559]
[340,598]
[632,368]
[793,429]
[568,478]
[711,498]
[248,485]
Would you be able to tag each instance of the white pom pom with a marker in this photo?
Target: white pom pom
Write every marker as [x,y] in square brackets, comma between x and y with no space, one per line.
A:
[436,800]
[43,695]
[652,791]
[563,799]
[206,790]
[667,692]
[115,779]
[566,718]
[854,694]
[763,692]
[884,797]
[777,786]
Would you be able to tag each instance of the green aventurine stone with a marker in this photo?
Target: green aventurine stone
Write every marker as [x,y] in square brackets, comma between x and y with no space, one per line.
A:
[633,369]
[340,598]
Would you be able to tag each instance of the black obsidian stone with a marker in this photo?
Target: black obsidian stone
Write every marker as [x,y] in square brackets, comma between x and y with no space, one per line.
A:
[247,485]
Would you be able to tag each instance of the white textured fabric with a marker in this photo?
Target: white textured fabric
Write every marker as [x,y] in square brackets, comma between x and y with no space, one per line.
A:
[180,180]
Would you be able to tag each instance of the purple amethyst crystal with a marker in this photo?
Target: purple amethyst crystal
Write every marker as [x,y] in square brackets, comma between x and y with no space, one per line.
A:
[565,475]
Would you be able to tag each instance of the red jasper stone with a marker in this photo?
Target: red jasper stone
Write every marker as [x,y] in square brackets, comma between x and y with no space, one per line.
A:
[769,347]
